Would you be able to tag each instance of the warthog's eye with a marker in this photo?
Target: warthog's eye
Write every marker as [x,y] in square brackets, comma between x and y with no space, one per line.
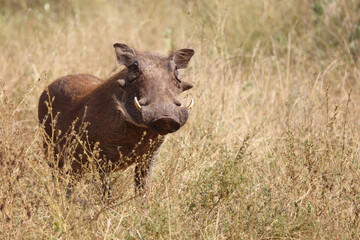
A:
[177,75]
[134,66]
[134,72]
[177,80]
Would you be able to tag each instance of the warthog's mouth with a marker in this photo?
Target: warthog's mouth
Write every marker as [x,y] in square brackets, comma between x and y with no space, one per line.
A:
[139,107]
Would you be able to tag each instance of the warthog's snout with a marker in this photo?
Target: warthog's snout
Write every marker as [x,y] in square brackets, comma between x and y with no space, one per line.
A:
[164,118]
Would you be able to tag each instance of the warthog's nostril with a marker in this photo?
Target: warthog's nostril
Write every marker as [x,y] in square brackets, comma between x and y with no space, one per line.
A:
[165,125]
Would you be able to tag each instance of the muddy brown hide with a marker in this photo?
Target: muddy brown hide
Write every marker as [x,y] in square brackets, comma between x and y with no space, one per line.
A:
[127,115]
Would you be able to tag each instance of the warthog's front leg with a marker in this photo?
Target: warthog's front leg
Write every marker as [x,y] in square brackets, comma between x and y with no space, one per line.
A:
[143,171]
[105,178]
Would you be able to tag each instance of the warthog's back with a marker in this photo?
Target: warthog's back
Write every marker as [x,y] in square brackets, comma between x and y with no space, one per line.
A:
[62,97]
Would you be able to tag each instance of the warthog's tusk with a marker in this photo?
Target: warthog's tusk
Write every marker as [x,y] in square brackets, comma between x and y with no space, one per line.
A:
[191,104]
[137,104]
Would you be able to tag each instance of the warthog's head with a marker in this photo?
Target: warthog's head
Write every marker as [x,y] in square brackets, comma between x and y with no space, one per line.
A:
[151,87]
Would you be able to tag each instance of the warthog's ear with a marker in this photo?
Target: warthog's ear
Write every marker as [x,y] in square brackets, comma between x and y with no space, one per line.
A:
[182,57]
[124,54]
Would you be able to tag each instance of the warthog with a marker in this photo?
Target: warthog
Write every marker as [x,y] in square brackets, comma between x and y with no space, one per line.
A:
[127,114]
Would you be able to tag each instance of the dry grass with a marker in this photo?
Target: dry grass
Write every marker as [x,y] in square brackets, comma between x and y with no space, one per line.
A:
[271,150]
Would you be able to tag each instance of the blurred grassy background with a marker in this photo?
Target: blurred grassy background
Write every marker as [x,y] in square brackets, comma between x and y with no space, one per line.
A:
[271,149]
